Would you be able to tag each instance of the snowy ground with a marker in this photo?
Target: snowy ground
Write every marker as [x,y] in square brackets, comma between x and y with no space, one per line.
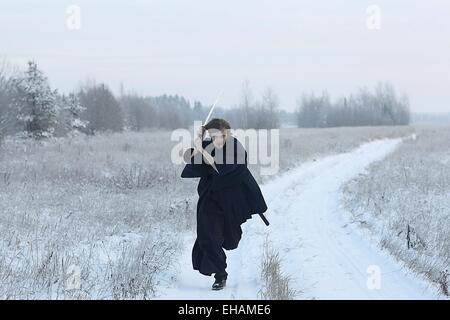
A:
[326,257]
[114,210]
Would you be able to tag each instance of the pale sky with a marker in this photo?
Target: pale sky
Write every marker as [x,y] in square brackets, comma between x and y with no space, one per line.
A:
[198,48]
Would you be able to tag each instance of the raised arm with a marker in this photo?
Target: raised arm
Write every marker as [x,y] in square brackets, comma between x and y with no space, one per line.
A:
[198,160]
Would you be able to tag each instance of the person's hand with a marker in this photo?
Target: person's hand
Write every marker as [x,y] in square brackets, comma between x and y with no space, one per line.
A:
[198,142]
[201,132]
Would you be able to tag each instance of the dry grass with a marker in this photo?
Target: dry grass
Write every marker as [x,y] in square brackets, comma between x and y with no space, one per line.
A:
[276,285]
[114,206]
[404,200]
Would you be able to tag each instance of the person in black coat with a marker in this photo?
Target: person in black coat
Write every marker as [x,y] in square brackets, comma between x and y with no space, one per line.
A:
[228,197]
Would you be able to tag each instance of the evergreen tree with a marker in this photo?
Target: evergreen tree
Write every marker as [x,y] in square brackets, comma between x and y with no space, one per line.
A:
[35,102]
[74,110]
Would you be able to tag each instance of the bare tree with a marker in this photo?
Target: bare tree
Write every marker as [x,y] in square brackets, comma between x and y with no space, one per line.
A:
[246,104]
[103,111]
[7,119]
[139,113]
[312,111]
[270,103]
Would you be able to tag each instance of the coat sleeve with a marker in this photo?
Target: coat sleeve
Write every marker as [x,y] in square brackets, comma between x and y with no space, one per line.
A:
[195,167]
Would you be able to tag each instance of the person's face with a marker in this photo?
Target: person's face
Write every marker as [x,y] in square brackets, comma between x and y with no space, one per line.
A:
[218,137]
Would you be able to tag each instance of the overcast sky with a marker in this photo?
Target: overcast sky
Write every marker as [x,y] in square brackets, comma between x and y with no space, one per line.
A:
[198,48]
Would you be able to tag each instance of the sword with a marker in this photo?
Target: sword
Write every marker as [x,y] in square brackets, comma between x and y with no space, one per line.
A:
[264,219]
[212,108]
[206,121]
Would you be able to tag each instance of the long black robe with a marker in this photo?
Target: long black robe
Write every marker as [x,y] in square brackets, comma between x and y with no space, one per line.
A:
[226,200]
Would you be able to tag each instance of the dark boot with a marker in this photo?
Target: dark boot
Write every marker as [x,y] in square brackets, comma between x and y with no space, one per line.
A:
[221,280]
[219,284]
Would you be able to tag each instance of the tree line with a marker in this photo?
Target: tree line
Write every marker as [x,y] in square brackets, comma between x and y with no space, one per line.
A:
[365,108]
[29,106]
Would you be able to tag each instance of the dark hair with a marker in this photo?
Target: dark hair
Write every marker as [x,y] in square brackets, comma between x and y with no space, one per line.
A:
[219,124]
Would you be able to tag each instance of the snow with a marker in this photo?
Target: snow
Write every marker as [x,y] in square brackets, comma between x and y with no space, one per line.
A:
[326,257]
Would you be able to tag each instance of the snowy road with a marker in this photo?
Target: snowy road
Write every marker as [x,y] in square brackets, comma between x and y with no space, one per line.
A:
[325,258]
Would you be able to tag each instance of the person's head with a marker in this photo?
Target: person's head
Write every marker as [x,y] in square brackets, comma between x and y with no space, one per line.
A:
[219,131]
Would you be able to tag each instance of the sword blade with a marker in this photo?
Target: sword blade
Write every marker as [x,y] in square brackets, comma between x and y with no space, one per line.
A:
[212,108]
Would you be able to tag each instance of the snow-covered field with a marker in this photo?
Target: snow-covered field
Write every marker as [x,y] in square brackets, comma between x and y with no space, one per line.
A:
[108,217]
[404,203]
[324,256]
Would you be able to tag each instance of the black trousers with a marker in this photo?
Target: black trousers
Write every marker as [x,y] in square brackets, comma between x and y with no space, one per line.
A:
[208,256]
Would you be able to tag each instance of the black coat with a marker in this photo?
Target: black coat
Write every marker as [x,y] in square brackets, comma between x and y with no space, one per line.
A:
[233,189]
